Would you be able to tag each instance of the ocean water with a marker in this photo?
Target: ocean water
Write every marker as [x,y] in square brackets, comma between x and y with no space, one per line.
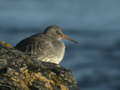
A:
[95,24]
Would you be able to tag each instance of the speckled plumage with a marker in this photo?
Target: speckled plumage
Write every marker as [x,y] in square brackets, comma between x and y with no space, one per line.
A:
[46,47]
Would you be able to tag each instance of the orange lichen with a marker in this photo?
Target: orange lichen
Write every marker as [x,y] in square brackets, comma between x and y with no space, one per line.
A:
[29,77]
[26,78]
[5,44]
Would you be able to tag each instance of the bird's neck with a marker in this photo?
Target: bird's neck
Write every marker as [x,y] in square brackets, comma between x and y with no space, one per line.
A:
[53,37]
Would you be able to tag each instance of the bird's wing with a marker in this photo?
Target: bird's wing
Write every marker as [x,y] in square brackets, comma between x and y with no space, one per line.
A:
[37,47]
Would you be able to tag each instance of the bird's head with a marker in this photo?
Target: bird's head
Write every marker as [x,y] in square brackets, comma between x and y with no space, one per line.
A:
[56,32]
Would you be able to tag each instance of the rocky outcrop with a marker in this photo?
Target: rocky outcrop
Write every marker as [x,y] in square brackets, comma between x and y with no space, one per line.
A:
[20,72]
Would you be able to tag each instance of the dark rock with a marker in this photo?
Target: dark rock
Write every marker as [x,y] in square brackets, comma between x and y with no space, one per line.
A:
[20,72]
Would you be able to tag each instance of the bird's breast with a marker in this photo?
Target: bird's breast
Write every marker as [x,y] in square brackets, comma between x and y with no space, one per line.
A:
[59,49]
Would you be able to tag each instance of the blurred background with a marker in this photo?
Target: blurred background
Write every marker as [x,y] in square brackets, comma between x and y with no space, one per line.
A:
[95,62]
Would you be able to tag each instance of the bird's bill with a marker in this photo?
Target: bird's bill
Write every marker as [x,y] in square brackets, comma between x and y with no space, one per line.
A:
[68,38]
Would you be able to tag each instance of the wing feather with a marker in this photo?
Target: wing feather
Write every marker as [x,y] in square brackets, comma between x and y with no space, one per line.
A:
[37,48]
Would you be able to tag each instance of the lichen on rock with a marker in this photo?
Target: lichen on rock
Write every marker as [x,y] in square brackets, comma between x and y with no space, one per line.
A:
[21,72]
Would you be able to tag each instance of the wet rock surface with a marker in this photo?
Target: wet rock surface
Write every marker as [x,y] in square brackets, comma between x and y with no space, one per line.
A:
[20,72]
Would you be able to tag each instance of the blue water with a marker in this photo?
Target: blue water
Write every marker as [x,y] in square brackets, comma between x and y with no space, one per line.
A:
[94,23]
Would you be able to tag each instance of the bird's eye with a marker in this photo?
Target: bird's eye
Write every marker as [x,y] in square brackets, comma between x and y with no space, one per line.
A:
[57,32]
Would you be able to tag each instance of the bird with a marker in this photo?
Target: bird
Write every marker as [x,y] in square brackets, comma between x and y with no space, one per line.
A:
[46,46]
